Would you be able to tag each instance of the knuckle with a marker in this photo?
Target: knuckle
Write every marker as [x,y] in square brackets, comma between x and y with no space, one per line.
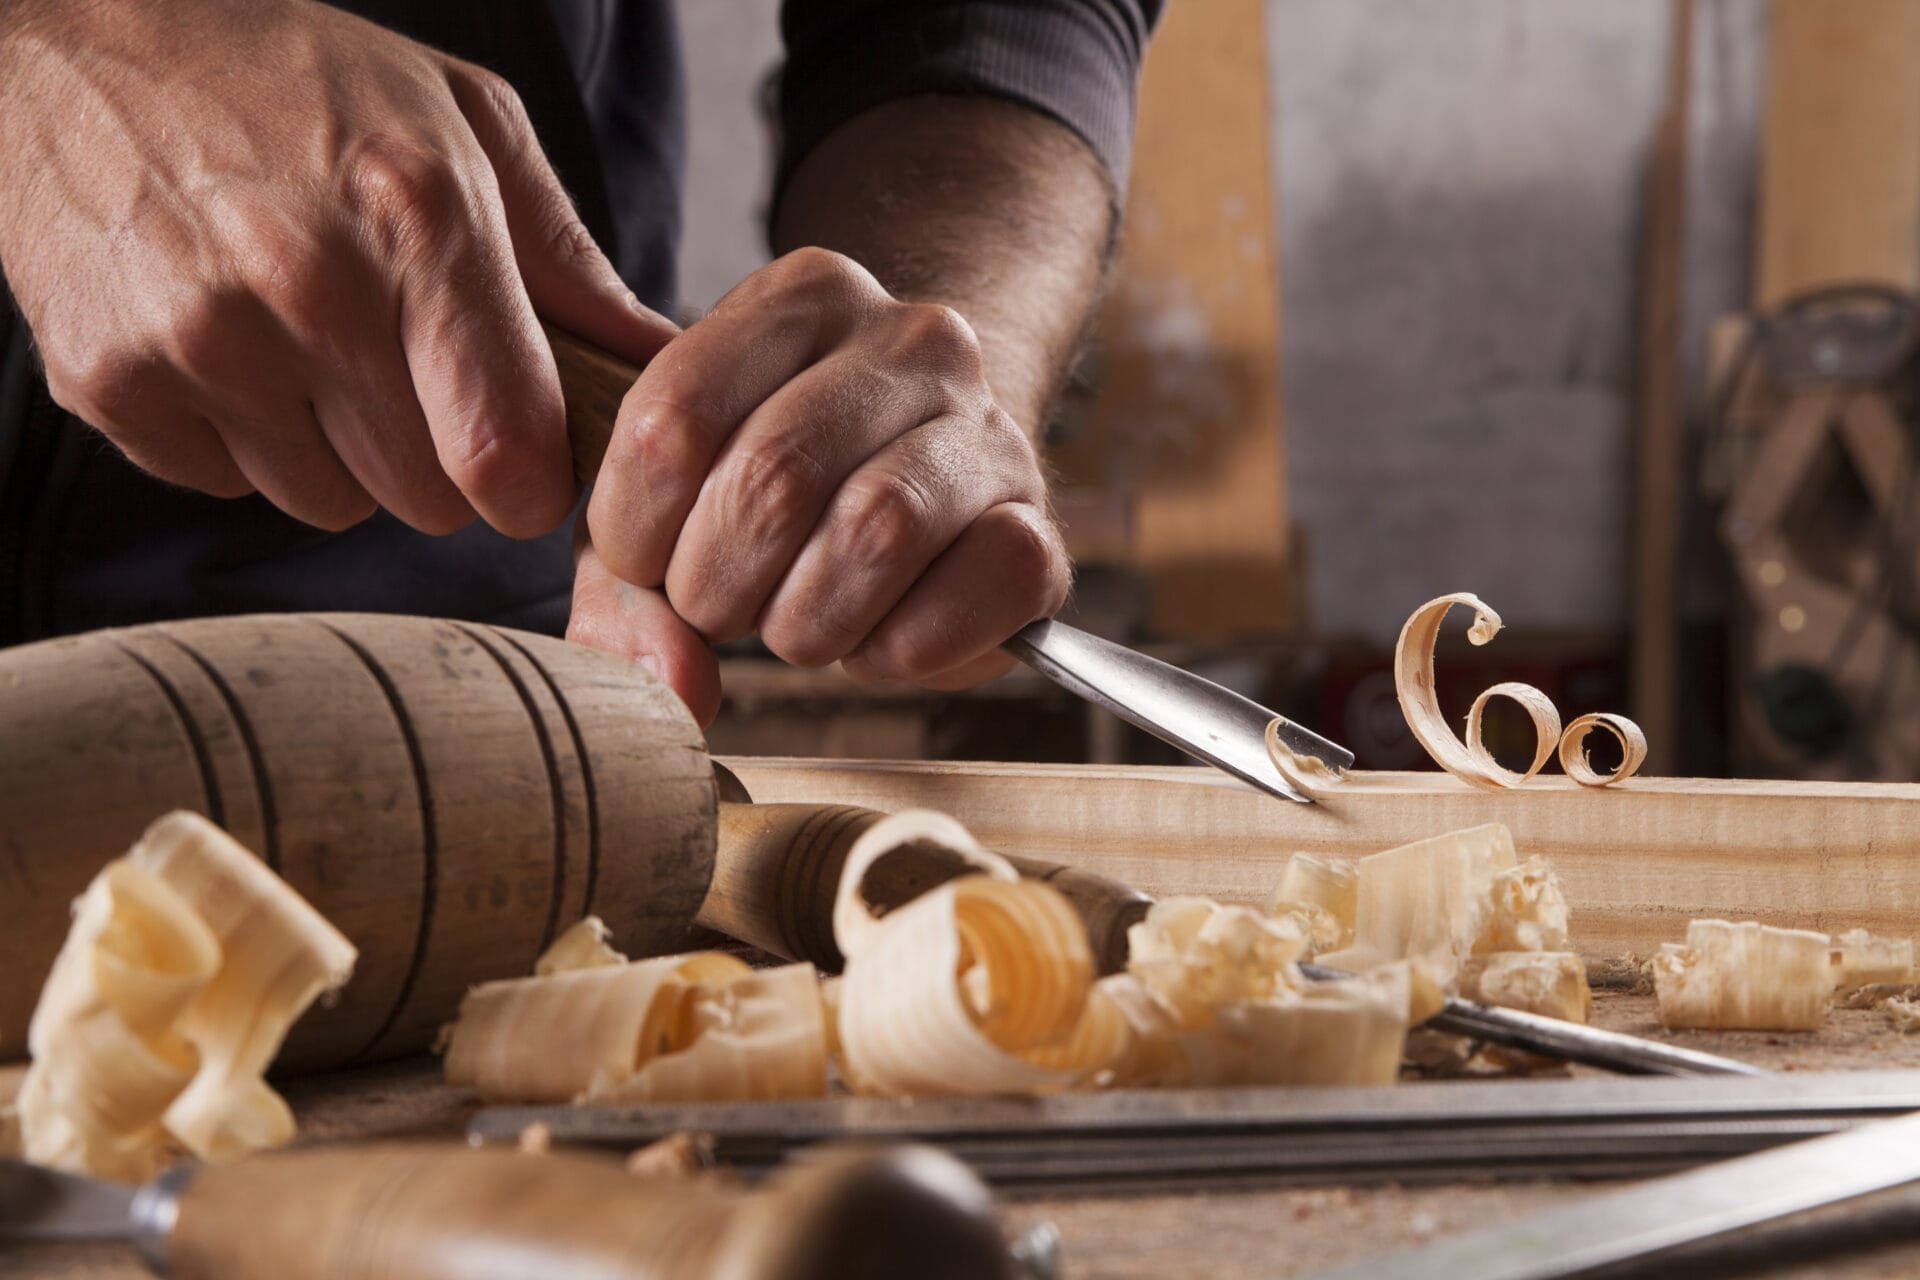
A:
[1030,560]
[568,242]
[773,485]
[408,192]
[664,441]
[815,273]
[335,507]
[817,639]
[886,513]
[486,460]
[930,331]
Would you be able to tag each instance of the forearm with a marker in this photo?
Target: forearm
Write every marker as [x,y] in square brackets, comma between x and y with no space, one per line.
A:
[984,205]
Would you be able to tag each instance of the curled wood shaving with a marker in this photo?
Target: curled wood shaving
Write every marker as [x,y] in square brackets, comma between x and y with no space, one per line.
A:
[1539,709]
[979,985]
[1749,976]
[187,963]
[673,1029]
[1573,757]
[1420,703]
[1305,772]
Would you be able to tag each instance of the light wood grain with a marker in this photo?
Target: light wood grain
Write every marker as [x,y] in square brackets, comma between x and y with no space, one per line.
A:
[1638,860]
[1840,168]
[439,1213]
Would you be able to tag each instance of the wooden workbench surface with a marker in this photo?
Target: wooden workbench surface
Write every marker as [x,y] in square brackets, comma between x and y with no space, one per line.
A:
[1222,1235]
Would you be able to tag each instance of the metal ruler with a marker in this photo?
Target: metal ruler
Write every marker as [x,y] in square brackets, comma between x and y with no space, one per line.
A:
[1156,1140]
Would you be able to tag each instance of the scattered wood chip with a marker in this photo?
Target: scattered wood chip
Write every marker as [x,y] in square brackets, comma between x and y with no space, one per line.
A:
[698,1027]
[1862,959]
[678,1155]
[536,1139]
[1552,984]
[187,962]
[584,946]
[1322,892]
[1748,976]
[1904,1014]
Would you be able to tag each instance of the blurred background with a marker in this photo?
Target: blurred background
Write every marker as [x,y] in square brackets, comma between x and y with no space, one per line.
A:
[1604,313]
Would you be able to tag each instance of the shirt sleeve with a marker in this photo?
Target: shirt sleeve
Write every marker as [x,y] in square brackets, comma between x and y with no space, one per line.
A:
[1077,61]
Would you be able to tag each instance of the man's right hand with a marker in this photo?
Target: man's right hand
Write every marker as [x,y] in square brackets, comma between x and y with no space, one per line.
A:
[265,245]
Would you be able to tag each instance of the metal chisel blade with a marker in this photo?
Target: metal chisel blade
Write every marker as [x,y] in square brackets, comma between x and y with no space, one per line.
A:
[43,1204]
[1211,723]
[1643,1221]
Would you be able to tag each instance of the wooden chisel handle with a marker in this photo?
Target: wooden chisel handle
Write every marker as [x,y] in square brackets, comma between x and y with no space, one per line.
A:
[443,1213]
[593,382]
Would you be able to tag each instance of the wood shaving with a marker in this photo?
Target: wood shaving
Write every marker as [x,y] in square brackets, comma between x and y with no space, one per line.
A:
[1862,959]
[1552,984]
[1321,891]
[1573,756]
[187,963]
[678,1155]
[1747,976]
[979,985]
[1305,772]
[703,1026]
[1420,703]
[584,946]
[1903,1014]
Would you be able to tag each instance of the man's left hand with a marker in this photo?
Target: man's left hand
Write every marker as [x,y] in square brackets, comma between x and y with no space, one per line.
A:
[826,465]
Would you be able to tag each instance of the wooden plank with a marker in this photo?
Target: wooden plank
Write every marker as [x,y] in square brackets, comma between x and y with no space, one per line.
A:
[1840,171]
[1189,415]
[1657,461]
[1638,860]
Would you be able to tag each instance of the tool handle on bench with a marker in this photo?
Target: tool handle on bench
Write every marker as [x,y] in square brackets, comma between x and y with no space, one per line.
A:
[444,1213]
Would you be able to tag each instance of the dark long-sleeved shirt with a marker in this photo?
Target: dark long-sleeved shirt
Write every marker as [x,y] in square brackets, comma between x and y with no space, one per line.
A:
[88,540]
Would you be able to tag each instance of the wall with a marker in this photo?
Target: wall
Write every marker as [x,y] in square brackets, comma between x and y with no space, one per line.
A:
[1460,189]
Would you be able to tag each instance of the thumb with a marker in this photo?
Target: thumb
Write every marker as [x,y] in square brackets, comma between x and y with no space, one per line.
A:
[567,277]
[638,623]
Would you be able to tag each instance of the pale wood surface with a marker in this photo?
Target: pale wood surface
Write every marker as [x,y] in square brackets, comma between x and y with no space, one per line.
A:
[1261,1234]
[1189,414]
[1637,860]
[1840,167]
[448,794]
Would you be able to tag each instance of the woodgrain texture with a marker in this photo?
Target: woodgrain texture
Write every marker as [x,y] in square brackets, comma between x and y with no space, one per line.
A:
[1840,168]
[448,794]
[1189,416]
[439,1213]
[1637,860]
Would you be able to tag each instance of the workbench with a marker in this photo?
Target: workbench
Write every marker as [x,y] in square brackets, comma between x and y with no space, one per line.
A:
[1237,1234]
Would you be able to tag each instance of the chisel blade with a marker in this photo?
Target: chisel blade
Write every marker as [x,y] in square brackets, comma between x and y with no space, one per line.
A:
[1640,1222]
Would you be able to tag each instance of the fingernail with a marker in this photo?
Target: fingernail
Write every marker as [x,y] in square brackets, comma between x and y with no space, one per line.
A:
[652,663]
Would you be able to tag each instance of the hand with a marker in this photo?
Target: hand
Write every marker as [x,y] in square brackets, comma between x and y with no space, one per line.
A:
[264,245]
[825,465]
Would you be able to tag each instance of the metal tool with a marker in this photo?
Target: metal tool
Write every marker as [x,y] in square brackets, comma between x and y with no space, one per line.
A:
[1201,718]
[1642,1222]
[1567,1041]
[1161,1139]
